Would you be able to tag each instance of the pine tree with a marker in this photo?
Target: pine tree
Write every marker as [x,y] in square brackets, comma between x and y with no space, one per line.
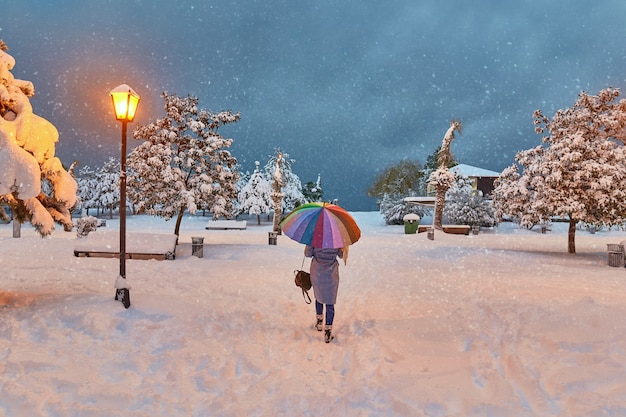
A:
[87,183]
[242,181]
[291,187]
[183,163]
[277,181]
[578,173]
[312,191]
[255,197]
[107,187]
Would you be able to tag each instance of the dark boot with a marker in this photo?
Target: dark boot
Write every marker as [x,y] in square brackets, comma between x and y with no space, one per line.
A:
[319,324]
[328,333]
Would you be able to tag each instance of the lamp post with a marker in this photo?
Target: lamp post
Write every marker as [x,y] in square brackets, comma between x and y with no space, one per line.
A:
[125,101]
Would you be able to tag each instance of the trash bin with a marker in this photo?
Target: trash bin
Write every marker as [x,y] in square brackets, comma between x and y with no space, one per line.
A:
[411,223]
[431,234]
[475,230]
[616,254]
[273,237]
[197,246]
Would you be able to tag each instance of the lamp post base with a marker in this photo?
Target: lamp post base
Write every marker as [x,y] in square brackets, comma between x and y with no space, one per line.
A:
[123,296]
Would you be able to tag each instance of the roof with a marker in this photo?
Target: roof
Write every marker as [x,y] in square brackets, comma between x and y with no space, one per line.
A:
[471,171]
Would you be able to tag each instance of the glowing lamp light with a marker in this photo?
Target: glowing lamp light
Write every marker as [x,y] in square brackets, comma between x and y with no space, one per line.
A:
[125,101]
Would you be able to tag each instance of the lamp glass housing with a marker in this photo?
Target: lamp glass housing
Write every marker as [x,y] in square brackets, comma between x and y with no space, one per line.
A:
[125,101]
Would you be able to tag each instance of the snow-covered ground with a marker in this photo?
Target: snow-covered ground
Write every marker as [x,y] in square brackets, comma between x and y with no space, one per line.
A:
[505,323]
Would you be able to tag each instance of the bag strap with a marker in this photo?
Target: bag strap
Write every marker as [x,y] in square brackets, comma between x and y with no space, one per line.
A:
[305,295]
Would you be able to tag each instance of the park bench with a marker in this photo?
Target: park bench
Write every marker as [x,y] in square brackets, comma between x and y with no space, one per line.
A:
[226,225]
[455,229]
[102,244]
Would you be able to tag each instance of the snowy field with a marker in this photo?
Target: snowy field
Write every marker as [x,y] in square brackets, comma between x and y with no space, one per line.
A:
[505,323]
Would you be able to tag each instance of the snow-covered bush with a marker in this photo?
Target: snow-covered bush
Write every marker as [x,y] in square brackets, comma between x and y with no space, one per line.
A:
[84,225]
[465,206]
[394,209]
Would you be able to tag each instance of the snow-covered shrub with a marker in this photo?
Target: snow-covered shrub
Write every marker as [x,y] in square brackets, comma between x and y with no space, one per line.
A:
[394,209]
[591,227]
[465,206]
[84,225]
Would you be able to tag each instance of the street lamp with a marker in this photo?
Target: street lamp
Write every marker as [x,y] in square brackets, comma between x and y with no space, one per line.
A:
[125,101]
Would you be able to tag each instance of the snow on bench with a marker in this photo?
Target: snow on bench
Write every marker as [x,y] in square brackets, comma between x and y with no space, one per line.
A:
[226,224]
[104,244]
[455,229]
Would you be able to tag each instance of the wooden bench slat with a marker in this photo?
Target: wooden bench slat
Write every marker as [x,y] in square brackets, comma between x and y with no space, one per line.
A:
[455,229]
[138,246]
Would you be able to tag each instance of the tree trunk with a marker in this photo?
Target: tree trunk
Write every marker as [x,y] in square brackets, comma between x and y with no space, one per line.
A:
[179,220]
[440,200]
[258,219]
[277,198]
[17,228]
[571,235]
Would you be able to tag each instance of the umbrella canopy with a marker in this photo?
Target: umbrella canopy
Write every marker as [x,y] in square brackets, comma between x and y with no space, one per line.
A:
[321,225]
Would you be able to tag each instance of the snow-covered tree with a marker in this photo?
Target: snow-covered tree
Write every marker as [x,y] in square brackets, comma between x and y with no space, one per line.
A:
[578,173]
[293,192]
[429,166]
[464,205]
[312,191]
[107,187]
[87,183]
[442,179]
[291,186]
[27,148]
[183,163]
[242,180]
[400,179]
[255,198]
[277,181]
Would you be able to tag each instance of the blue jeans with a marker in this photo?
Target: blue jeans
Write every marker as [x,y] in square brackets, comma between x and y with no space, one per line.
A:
[330,312]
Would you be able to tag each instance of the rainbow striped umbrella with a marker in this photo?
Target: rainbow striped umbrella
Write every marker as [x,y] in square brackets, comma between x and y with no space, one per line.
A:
[321,225]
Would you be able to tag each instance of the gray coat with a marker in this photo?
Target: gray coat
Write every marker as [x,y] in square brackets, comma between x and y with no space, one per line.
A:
[324,273]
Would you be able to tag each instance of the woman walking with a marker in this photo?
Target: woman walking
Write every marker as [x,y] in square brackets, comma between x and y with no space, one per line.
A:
[325,281]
